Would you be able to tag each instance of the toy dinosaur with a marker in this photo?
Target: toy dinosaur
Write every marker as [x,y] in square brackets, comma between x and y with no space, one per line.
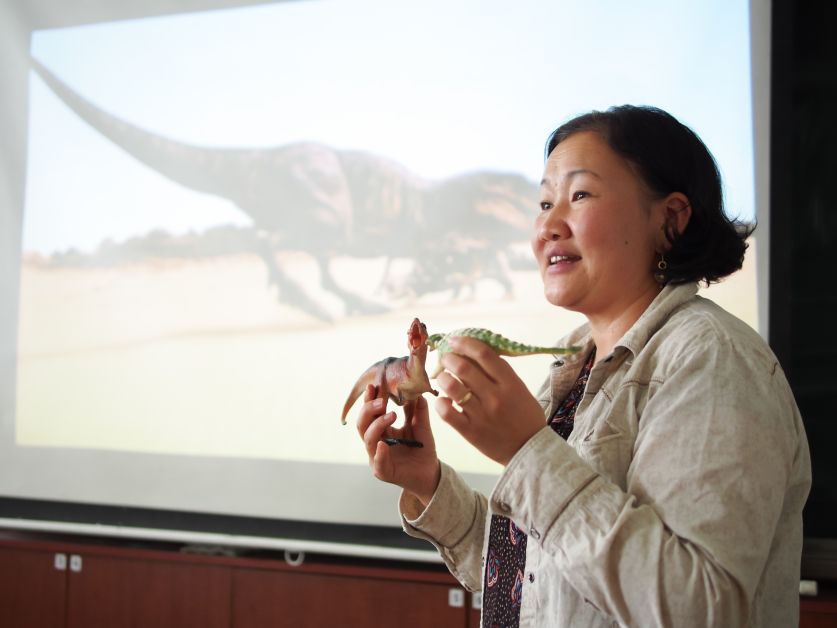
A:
[403,380]
[499,344]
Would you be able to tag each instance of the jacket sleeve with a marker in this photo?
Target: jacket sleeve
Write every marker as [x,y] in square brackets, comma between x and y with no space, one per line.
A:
[454,522]
[686,541]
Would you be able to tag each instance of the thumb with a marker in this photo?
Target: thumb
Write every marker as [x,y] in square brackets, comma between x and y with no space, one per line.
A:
[381,463]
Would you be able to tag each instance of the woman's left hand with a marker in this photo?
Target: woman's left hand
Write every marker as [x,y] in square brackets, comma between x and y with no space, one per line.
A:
[497,414]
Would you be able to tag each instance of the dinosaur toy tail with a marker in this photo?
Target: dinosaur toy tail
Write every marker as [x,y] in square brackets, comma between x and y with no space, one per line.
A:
[368,377]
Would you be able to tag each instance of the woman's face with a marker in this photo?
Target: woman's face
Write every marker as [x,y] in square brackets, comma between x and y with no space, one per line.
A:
[598,230]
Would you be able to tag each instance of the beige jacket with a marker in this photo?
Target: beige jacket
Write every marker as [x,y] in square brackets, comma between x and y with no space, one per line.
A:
[677,500]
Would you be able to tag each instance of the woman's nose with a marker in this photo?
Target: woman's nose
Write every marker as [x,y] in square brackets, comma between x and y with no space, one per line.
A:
[553,227]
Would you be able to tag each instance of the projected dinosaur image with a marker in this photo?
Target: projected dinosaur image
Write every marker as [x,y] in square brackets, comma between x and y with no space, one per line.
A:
[324,202]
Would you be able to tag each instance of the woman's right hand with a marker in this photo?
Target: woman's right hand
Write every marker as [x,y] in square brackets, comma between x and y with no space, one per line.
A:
[415,469]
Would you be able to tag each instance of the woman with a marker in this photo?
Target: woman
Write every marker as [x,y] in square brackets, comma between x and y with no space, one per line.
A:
[666,486]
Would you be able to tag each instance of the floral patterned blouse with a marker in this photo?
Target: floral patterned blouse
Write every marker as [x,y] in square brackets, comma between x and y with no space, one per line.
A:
[506,560]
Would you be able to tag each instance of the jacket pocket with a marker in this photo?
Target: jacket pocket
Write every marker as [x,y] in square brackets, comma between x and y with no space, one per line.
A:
[607,450]
[600,434]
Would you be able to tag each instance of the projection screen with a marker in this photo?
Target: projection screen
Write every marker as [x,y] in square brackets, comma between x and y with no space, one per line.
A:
[213,221]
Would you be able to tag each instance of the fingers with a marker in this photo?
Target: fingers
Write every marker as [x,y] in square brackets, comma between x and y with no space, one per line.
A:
[464,372]
[373,406]
[455,389]
[420,422]
[500,414]
[460,418]
[492,365]
[370,393]
[464,381]
[375,424]
[377,430]
[470,358]
[380,463]
[462,389]
[374,420]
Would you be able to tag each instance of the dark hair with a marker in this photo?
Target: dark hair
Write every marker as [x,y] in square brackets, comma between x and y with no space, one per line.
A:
[670,157]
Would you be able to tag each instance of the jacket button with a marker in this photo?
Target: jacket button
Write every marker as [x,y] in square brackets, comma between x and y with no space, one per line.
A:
[531,577]
[534,534]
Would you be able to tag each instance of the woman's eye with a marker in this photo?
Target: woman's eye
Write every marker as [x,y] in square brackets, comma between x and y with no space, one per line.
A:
[546,206]
[577,196]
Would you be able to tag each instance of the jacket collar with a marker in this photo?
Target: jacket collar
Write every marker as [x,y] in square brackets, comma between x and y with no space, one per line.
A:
[655,315]
[565,371]
[663,305]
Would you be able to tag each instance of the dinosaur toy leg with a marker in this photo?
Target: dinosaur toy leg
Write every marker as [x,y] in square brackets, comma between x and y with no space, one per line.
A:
[409,410]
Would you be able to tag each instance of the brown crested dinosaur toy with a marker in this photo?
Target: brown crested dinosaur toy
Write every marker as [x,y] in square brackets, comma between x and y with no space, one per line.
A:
[403,379]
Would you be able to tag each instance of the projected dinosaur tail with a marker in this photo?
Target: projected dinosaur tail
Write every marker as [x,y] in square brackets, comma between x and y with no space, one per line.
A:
[198,168]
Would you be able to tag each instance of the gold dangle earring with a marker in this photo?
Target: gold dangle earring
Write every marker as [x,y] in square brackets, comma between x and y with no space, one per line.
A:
[662,266]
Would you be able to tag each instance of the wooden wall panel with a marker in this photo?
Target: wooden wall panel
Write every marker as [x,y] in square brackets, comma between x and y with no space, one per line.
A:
[263,599]
[112,592]
[32,590]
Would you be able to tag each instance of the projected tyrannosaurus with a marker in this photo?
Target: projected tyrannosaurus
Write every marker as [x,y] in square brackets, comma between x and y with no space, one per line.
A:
[325,202]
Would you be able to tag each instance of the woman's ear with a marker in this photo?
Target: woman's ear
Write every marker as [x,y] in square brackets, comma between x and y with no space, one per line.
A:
[676,214]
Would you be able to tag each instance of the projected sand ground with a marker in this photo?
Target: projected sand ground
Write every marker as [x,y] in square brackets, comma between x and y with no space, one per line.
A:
[197,357]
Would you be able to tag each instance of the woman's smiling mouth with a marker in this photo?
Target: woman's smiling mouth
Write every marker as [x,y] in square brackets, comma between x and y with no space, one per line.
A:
[552,260]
